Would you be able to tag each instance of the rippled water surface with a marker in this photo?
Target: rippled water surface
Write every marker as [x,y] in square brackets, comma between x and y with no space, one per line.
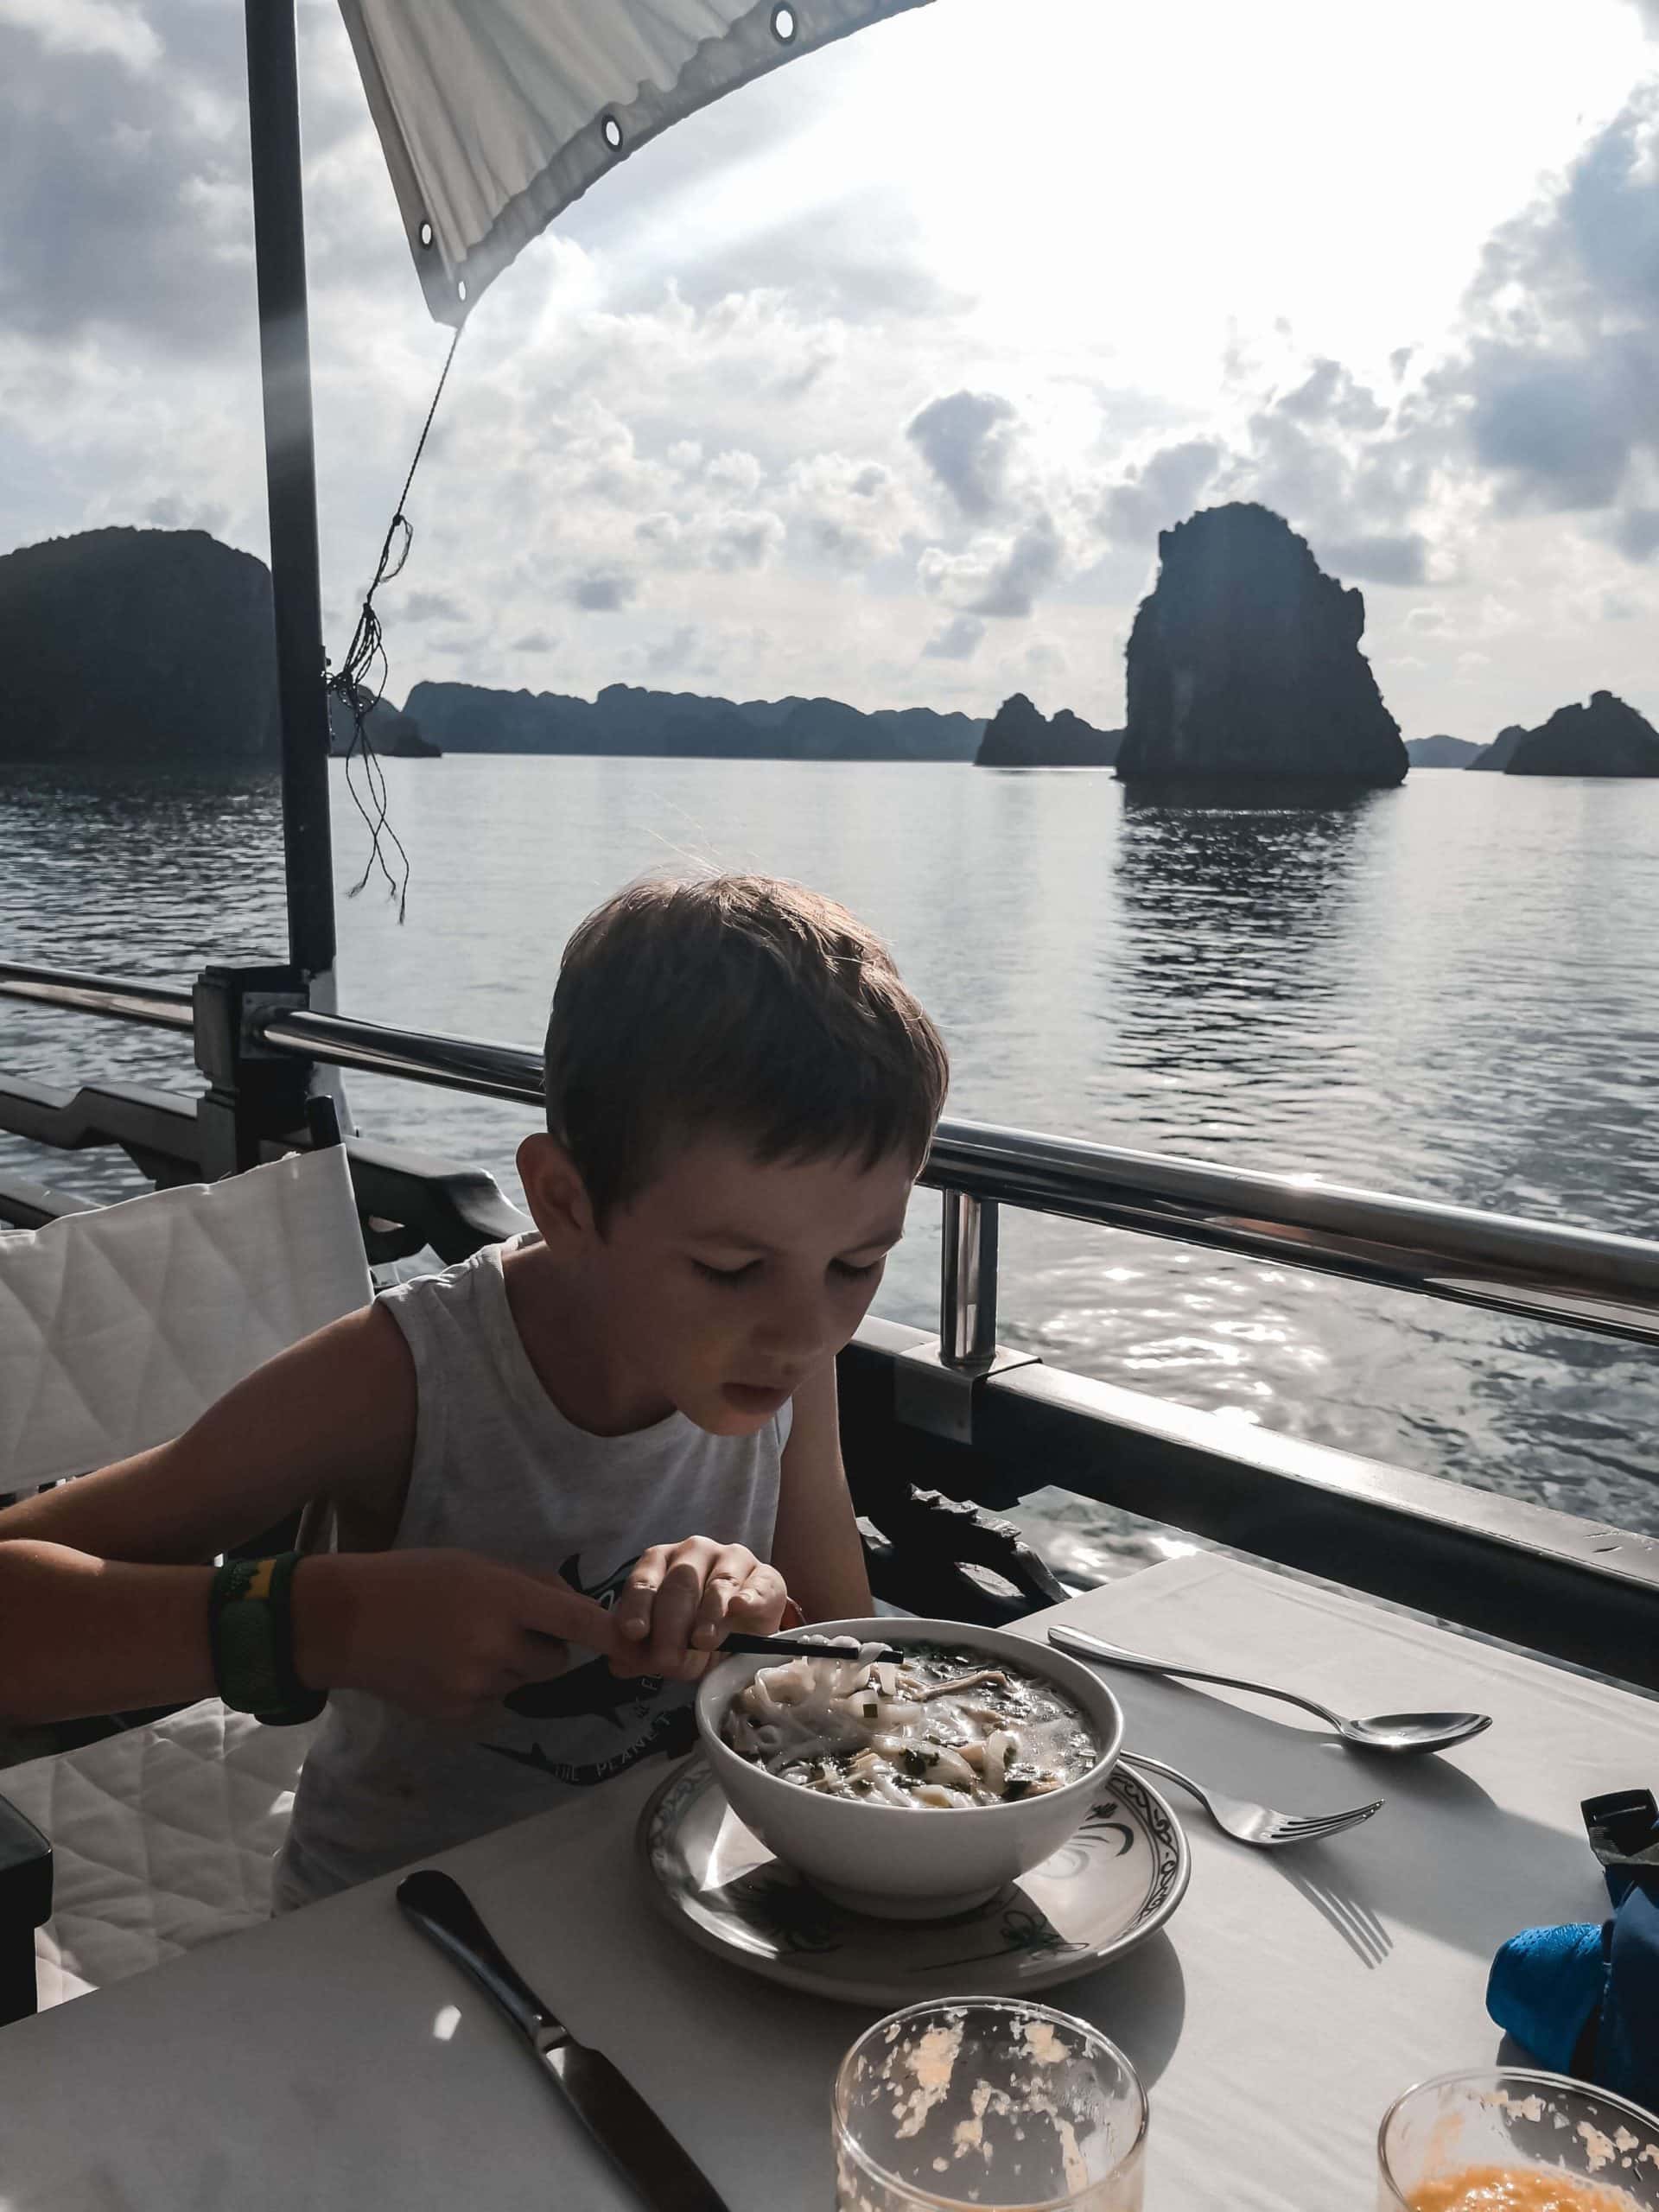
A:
[1447,990]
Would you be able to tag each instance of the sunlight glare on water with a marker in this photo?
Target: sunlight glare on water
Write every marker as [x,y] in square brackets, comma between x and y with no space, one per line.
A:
[1445,991]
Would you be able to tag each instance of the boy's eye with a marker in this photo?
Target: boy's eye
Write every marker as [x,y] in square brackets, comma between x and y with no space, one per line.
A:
[726,1274]
[850,1273]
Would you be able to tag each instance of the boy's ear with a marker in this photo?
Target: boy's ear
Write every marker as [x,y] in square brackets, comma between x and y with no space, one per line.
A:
[554,1189]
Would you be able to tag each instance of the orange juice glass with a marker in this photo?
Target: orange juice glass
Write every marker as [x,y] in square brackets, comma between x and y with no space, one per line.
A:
[1509,2140]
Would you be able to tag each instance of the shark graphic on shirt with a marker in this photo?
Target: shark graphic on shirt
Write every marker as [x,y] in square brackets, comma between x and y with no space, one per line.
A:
[654,1715]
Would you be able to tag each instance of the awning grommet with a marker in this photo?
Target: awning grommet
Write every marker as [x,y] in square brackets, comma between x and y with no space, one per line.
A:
[426,233]
[783,26]
[460,291]
[611,131]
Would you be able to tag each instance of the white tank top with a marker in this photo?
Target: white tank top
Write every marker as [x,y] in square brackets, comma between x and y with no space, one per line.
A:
[498,1469]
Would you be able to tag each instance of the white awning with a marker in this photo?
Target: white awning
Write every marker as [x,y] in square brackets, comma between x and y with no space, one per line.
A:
[496,114]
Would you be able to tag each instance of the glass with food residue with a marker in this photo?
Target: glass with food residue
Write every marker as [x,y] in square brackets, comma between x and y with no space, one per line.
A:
[1509,2140]
[988,2101]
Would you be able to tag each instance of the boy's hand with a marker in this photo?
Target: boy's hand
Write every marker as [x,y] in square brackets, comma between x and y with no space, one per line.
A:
[681,1598]
[444,1634]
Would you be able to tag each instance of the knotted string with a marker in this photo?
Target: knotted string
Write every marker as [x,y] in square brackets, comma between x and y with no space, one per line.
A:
[361,680]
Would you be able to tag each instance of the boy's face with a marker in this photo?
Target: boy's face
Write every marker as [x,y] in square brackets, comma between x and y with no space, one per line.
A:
[725,1283]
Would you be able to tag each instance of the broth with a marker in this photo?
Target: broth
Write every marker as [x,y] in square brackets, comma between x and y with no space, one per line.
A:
[938,1727]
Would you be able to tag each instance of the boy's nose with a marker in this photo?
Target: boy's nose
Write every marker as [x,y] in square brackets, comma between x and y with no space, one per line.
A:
[794,1332]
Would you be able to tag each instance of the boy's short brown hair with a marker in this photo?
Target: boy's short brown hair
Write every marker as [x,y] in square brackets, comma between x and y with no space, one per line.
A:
[736,1004]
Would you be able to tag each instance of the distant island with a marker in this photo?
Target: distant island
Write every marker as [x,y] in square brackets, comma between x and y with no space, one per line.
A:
[683,725]
[150,646]
[1244,665]
[157,646]
[1605,738]
[1018,736]
[397,736]
[1442,752]
[145,646]
[1496,756]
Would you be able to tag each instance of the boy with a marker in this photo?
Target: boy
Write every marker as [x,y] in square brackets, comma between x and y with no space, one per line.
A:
[740,1095]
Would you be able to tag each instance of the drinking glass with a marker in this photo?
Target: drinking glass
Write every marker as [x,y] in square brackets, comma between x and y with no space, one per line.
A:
[989,2103]
[1589,2146]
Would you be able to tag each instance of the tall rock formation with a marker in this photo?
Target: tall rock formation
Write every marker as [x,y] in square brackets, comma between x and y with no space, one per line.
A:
[1606,738]
[1018,736]
[1244,664]
[137,646]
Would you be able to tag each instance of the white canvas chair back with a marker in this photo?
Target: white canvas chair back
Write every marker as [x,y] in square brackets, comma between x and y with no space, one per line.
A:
[118,1327]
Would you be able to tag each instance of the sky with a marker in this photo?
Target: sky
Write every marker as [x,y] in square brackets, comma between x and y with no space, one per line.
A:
[880,377]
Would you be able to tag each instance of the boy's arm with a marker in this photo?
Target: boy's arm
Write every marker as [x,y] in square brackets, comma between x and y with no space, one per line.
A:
[333,1416]
[81,1635]
[815,1548]
[104,1580]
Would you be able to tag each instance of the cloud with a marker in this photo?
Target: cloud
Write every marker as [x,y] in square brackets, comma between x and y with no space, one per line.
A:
[736,472]
[126,162]
[722,540]
[1031,564]
[86,26]
[996,576]
[1161,490]
[965,439]
[1378,560]
[745,541]
[1557,391]
[960,639]
[680,649]
[601,592]
[755,437]
[847,512]
[1331,394]
[1557,428]
[1635,533]
[172,512]
[425,605]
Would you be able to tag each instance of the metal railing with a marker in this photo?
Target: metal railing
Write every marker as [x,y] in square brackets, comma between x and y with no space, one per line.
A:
[1578,1278]
[160,1006]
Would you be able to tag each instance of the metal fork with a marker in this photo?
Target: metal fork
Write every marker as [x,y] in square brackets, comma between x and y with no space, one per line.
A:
[1258,1824]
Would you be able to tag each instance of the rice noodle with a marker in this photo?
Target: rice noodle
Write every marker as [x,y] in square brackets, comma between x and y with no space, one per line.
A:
[938,1728]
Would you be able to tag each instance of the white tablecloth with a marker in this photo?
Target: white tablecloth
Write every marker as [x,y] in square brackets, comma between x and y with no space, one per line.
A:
[333,2059]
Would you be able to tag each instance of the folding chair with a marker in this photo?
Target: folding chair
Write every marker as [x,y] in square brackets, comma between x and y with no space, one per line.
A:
[118,1328]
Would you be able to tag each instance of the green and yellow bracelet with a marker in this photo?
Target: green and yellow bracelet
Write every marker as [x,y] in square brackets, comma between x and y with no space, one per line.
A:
[250,1629]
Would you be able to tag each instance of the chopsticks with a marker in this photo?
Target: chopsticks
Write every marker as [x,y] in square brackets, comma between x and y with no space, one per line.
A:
[799,1646]
[547,1700]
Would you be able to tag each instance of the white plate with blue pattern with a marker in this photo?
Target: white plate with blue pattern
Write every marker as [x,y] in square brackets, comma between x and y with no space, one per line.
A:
[1118,1879]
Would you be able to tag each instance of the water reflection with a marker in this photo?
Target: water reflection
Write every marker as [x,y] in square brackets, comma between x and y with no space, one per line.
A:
[1232,960]
[1444,990]
[1217,892]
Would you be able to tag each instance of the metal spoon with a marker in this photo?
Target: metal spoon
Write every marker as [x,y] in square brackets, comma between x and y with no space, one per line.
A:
[1384,1731]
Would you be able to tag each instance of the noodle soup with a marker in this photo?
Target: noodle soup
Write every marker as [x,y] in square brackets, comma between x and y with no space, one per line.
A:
[941,1727]
[1005,1767]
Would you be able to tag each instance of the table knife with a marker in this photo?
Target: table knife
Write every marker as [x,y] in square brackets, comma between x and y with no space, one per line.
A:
[660,2173]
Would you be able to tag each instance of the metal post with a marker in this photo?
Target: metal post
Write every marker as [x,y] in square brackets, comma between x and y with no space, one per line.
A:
[290,475]
[968,1284]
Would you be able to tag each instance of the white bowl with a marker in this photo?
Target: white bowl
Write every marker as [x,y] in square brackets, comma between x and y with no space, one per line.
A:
[887,1859]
